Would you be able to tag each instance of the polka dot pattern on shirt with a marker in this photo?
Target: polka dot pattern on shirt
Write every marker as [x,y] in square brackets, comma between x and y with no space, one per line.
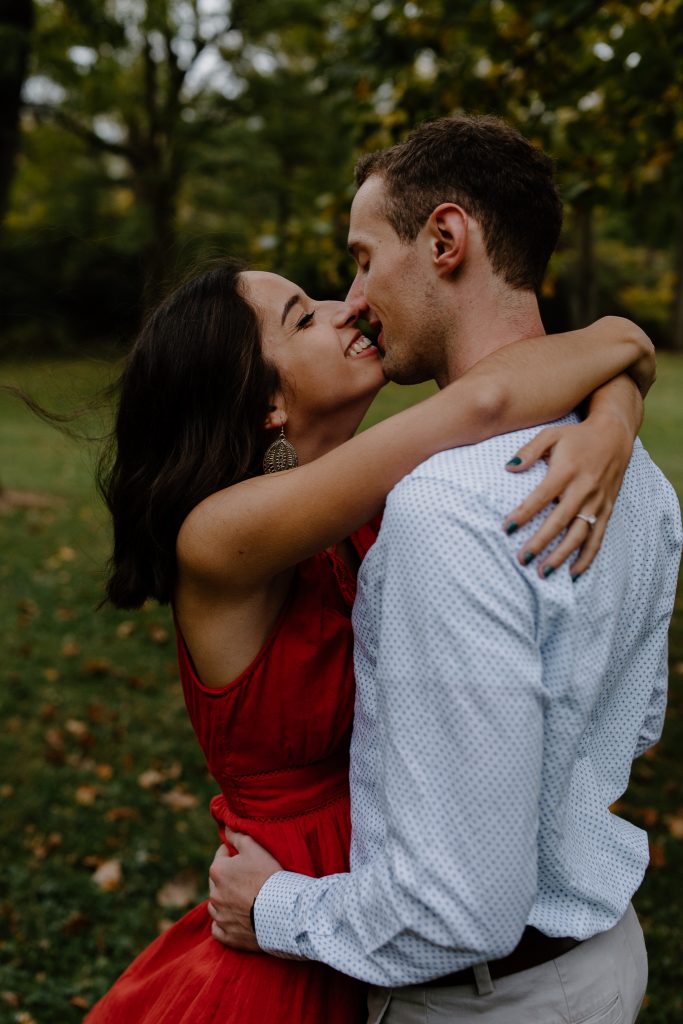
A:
[497,718]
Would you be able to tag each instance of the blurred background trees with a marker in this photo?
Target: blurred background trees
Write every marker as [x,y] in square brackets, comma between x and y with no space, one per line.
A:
[155,133]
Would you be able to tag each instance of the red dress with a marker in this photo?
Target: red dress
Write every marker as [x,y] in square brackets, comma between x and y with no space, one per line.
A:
[276,740]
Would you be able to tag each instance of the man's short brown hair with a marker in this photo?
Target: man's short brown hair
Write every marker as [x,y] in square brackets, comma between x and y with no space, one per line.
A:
[486,166]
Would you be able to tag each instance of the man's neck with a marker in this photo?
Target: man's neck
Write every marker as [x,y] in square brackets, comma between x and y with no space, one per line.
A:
[482,327]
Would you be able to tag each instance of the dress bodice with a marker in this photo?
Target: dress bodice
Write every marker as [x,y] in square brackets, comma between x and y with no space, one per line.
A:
[276,738]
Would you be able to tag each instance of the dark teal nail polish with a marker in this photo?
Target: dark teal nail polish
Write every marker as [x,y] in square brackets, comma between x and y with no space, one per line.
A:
[516,461]
[511,527]
[548,570]
[575,576]
[528,557]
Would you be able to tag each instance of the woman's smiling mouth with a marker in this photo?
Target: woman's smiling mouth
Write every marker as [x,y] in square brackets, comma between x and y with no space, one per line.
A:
[358,347]
[371,333]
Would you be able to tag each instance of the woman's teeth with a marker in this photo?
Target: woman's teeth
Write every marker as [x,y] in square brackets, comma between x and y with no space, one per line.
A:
[359,346]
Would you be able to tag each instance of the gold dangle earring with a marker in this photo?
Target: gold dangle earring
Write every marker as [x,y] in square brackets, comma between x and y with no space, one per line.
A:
[280,455]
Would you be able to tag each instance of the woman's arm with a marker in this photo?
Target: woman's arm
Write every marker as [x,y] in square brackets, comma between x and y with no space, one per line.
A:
[243,536]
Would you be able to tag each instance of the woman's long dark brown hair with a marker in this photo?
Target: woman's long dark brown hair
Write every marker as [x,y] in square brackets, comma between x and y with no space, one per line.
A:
[193,398]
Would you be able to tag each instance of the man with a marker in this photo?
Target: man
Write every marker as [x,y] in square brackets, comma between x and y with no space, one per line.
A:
[498,712]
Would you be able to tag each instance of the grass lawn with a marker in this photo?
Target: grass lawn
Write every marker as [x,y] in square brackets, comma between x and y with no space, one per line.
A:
[106,836]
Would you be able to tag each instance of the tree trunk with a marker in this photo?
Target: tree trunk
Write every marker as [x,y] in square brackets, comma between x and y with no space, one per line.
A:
[16,23]
[677,323]
[158,172]
[585,299]
[156,195]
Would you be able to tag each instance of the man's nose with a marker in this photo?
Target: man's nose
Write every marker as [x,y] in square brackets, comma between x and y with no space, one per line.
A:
[355,297]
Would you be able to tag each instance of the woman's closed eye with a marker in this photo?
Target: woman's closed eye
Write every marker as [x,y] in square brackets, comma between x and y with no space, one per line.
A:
[305,321]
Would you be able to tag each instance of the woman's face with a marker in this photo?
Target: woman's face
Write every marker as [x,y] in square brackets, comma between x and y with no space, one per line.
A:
[326,365]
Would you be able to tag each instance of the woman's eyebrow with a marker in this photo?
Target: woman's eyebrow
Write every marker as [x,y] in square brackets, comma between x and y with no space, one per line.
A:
[288,305]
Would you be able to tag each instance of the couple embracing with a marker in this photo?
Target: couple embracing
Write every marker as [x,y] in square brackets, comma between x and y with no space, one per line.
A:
[417,702]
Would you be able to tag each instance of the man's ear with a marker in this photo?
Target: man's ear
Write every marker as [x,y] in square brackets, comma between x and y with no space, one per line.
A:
[447,227]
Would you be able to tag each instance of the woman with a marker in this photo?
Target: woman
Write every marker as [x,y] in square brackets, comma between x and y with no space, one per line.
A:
[260,568]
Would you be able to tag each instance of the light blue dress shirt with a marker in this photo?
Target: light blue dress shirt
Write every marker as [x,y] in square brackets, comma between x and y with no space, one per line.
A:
[497,718]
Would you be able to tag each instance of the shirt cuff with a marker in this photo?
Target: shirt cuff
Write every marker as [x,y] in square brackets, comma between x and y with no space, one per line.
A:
[275,913]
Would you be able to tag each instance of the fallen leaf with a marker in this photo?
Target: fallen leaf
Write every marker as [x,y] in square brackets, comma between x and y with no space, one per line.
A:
[50,675]
[54,738]
[64,614]
[108,875]
[66,554]
[657,856]
[121,814]
[28,611]
[75,727]
[80,1001]
[42,848]
[96,667]
[179,800]
[157,634]
[76,923]
[97,713]
[649,816]
[11,998]
[674,823]
[104,771]
[70,648]
[152,777]
[87,795]
[77,760]
[125,629]
[179,892]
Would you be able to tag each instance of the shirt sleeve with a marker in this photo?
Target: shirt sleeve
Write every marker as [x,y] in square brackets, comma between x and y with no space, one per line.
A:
[459,705]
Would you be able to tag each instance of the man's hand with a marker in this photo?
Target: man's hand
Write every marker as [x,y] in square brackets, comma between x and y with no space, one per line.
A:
[234,883]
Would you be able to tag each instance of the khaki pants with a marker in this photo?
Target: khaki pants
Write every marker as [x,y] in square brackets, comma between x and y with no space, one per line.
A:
[601,981]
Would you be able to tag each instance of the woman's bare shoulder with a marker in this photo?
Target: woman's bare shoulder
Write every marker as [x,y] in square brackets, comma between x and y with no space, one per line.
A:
[217,537]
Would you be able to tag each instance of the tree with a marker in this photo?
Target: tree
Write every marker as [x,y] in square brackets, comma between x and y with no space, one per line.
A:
[127,79]
[158,131]
[16,23]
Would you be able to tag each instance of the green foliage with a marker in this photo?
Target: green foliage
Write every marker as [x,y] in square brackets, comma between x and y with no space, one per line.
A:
[159,133]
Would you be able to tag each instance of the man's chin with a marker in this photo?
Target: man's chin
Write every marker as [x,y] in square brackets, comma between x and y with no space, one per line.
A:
[401,374]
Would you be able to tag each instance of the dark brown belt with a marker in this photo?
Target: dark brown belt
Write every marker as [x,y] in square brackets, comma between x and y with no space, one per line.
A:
[533,949]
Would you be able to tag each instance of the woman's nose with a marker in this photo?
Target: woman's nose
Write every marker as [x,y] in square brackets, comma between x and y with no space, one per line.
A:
[344,315]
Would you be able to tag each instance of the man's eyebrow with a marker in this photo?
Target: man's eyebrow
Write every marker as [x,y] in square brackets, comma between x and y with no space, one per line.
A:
[288,305]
